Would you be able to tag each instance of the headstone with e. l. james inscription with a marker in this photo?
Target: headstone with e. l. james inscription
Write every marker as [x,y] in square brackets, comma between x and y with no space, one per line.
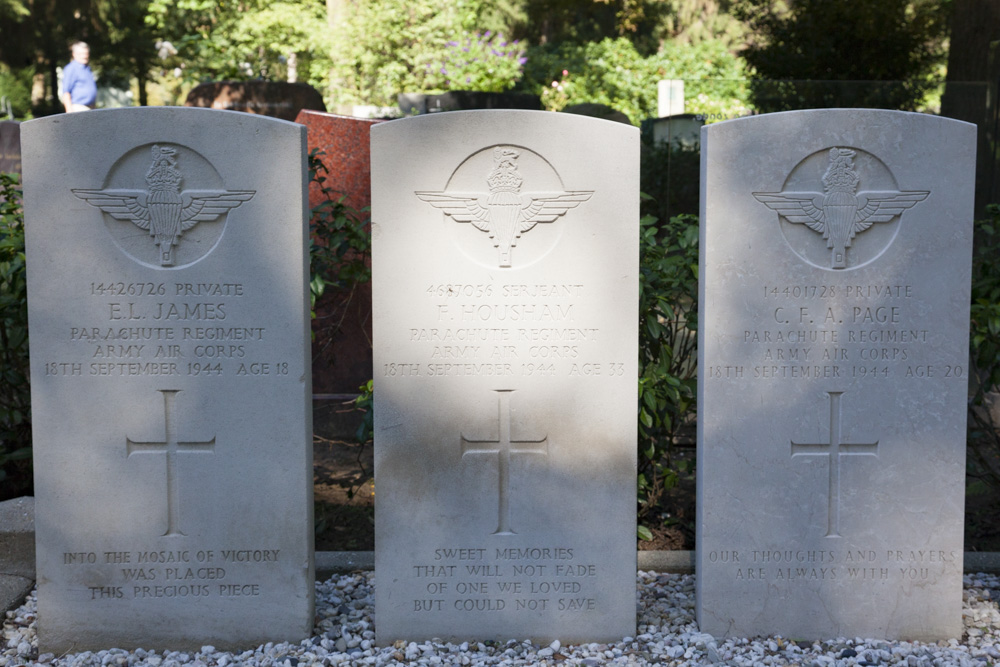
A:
[505,276]
[833,364]
[167,263]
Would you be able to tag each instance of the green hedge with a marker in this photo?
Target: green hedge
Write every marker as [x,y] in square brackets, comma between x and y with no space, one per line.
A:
[15,395]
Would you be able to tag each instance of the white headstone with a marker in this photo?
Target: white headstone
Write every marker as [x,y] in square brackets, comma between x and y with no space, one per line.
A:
[669,97]
[170,378]
[505,260]
[833,360]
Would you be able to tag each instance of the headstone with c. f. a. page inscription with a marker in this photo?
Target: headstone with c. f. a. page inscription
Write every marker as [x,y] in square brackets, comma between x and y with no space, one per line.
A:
[505,275]
[168,314]
[833,374]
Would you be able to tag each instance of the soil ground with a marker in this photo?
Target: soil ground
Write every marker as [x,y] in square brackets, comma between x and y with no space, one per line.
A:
[344,496]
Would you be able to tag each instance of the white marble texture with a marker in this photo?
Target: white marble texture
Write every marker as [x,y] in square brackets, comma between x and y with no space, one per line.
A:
[170,378]
[505,257]
[833,374]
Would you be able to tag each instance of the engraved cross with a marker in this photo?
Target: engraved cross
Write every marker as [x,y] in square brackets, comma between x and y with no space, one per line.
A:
[504,448]
[835,448]
[172,447]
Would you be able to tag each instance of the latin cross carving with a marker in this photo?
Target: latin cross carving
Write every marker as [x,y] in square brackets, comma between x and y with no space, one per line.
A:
[504,447]
[834,449]
[172,447]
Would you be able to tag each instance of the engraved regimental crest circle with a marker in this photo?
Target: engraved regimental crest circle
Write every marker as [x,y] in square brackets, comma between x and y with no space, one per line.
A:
[840,208]
[164,205]
[497,195]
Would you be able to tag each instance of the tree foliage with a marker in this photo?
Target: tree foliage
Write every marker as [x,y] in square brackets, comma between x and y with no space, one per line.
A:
[358,52]
[485,62]
[613,72]
[387,47]
[15,89]
[549,22]
[611,49]
[897,42]
[693,21]
[124,49]
[214,40]
[39,40]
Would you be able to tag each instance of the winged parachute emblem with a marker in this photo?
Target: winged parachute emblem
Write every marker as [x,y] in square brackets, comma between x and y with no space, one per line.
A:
[163,210]
[505,213]
[840,212]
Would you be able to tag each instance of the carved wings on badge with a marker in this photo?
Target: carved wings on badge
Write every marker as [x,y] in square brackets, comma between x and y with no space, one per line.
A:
[505,213]
[840,213]
[163,210]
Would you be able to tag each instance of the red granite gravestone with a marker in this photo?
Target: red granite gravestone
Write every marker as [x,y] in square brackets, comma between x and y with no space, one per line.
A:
[342,350]
[344,142]
[268,98]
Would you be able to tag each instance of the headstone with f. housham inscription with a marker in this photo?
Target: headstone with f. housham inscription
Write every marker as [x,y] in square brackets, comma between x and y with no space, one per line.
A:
[833,363]
[167,266]
[505,264]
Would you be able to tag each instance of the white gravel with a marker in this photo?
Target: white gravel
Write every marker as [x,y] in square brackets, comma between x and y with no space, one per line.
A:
[344,635]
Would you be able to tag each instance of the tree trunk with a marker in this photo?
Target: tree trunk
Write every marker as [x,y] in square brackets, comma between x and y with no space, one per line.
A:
[971,89]
[975,23]
[141,84]
[336,13]
[52,97]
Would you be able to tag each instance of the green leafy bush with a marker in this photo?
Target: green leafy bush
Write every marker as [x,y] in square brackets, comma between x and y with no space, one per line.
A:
[363,404]
[15,394]
[340,238]
[613,72]
[387,47]
[205,40]
[984,342]
[483,62]
[821,54]
[15,90]
[668,337]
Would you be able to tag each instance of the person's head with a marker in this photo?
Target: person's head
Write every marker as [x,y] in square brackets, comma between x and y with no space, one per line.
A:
[81,52]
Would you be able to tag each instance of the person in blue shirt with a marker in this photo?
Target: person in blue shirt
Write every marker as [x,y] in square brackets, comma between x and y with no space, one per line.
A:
[79,87]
